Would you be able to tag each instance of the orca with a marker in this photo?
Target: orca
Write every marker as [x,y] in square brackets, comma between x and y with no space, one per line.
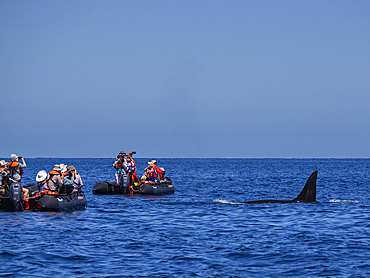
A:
[307,195]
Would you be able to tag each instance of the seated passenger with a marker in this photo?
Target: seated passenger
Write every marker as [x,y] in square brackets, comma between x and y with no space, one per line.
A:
[64,170]
[54,182]
[159,170]
[3,177]
[2,165]
[77,183]
[68,182]
[41,179]
[163,176]
[150,173]
[134,177]
[163,173]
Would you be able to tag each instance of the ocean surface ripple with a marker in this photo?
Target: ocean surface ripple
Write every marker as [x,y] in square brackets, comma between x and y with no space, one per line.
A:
[202,230]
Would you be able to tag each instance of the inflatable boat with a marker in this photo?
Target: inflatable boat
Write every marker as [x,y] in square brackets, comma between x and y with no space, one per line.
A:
[40,201]
[146,188]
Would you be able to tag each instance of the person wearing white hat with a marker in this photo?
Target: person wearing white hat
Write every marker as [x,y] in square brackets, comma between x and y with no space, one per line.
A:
[63,172]
[63,167]
[54,182]
[3,173]
[41,179]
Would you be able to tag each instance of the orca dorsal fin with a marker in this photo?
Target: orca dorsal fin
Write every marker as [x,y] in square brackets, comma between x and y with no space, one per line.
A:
[308,193]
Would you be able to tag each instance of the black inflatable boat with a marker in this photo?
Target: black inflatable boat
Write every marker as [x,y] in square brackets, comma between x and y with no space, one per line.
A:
[40,201]
[62,202]
[109,188]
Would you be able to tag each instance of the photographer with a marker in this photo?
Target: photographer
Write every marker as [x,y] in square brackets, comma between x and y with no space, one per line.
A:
[68,181]
[15,172]
[120,164]
[77,183]
[15,168]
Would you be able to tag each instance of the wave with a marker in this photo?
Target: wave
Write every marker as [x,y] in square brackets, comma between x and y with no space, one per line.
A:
[220,201]
[344,201]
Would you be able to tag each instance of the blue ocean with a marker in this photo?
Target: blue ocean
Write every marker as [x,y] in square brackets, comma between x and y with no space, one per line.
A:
[200,230]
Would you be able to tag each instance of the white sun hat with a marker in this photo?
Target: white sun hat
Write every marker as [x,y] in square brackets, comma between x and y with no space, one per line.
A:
[41,176]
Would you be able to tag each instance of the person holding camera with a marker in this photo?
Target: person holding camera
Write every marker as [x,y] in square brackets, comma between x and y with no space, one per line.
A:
[131,169]
[68,181]
[15,172]
[120,166]
[77,181]
[15,169]
[129,164]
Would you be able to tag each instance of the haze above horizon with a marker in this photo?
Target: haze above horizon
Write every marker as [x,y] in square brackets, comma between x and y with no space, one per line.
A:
[183,79]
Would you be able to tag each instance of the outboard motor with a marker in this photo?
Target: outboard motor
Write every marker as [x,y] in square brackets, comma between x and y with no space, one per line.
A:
[15,195]
[124,183]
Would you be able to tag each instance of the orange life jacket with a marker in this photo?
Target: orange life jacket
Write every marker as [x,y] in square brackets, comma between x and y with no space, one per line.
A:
[151,173]
[119,165]
[134,177]
[53,173]
[49,192]
[131,162]
[14,164]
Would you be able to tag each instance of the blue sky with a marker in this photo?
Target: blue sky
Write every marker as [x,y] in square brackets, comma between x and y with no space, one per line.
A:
[185,78]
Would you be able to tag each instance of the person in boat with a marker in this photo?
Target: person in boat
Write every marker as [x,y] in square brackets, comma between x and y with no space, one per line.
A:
[129,162]
[3,173]
[41,179]
[77,183]
[64,170]
[163,176]
[68,181]
[134,177]
[135,182]
[15,169]
[3,177]
[54,181]
[159,170]
[120,166]
[150,173]
[15,172]
[131,169]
